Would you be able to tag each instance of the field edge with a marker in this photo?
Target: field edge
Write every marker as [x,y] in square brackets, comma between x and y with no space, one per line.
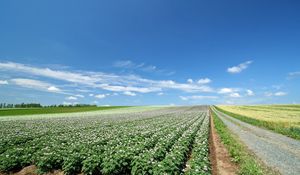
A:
[246,161]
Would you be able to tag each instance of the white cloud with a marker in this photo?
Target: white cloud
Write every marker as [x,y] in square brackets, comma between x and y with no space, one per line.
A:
[197,97]
[71,98]
[280,94]
[239,68]
[160,93]
[106,81]
[117,88]
[235,95]
[129,93]
[53,89]
[36,84]
[190,80]
[292,75]
[204,81]
[250,92]
[226,90]
[70,103]
[128,64]
[2,82]
[268,94]
[79,95]
[91,95]
[182,86]
[124,64]
[100,96]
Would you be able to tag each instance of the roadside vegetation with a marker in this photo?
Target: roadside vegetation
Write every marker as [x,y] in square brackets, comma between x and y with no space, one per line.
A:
[246,162]
[53,110]
[283,119]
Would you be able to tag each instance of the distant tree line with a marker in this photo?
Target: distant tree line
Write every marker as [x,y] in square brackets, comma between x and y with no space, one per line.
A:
[37,105]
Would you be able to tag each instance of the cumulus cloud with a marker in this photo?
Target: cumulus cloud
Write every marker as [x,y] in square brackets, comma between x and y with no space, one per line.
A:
[129,93]
[2,82]
[197,97]
[189,80]
[239,68]
[100,96]
[204,81]
[226,90]
[53,89]
[160,93]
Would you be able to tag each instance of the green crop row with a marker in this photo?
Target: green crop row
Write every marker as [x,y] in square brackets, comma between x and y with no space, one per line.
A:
[154,142]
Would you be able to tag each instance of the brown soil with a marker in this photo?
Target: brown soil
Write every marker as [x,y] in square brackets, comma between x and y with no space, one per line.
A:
[32,170]
[219,156]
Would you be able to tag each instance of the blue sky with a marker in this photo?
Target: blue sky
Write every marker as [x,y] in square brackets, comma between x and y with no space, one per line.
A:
[150,52]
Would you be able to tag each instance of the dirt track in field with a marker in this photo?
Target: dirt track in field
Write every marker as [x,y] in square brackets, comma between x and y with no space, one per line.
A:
[219,156]
[277,151]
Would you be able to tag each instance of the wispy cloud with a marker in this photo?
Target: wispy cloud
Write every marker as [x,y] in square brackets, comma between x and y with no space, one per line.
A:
[250,92]
[129,93]
[106,81]
[197,97]
[79,95]
[160,93]
[128,64]
[235,95]
[293,74]
[71,98]
[239,68]
[2,82]
[36,84]
[100,96]
[278,94]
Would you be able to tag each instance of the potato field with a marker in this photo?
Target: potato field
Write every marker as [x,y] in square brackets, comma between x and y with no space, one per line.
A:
[163,141]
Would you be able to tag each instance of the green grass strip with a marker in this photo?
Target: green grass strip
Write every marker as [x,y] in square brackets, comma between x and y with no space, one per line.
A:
[53,110]
[248,165]
[293,132]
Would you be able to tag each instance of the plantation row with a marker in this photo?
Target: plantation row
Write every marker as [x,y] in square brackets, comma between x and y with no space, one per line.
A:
[173,141]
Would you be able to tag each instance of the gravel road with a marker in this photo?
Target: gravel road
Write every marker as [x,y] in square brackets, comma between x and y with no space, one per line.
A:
[275,150]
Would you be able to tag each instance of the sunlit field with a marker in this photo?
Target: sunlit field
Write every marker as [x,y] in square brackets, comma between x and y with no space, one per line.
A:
[284,119]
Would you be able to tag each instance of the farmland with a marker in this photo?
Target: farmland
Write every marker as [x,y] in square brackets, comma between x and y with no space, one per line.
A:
[161,141]
[284,119]
[53,110]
